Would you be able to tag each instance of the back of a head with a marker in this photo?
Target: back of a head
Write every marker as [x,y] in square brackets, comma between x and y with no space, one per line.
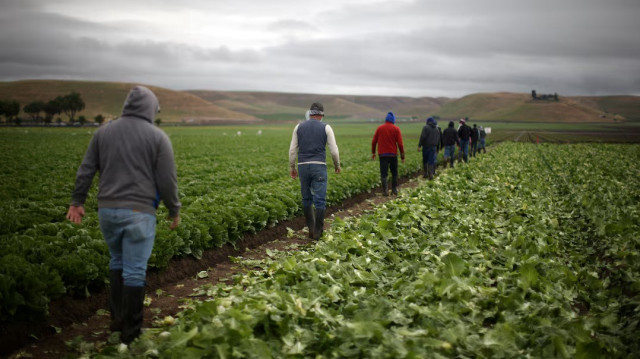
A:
[451,124]
[391,118]
[316,109]
[142,103]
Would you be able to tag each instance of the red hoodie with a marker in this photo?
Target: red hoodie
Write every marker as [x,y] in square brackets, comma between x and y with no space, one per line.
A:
[387,135]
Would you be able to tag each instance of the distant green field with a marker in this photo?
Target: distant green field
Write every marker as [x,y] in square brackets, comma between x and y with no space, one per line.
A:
[545,126]
[282,117]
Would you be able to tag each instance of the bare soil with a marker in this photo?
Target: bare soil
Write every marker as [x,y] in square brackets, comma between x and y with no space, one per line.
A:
[87,319]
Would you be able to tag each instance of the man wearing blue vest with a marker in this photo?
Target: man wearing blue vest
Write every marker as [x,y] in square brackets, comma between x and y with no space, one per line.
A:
[309,141]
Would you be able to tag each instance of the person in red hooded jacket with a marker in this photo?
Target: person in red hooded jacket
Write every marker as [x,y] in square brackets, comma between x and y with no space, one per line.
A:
[388,139]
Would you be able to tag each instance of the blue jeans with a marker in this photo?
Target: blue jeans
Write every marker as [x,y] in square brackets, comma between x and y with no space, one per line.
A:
[464,148]
[313,185]
[129,235]
[449,151]
[429,154]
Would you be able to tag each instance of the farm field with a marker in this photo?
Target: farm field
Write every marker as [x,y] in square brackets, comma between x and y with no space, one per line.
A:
[530,251]
[234,183]
[231,181]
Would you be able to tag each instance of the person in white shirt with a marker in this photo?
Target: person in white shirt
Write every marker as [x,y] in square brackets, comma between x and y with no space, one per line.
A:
[309,141]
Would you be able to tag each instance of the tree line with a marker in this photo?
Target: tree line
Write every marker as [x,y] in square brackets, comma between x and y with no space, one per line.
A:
[44,112]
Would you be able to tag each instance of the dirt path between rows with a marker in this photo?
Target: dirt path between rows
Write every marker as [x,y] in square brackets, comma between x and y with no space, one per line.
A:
[85,321]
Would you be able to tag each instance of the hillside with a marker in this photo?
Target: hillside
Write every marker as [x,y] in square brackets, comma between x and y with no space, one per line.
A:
[107,98]
[208,107]
[627,107]
[284,106]
[520,107]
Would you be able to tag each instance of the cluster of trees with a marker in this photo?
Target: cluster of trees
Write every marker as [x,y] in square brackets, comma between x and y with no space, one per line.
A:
[10,110]
[69,104]
[41,111]
[544,97]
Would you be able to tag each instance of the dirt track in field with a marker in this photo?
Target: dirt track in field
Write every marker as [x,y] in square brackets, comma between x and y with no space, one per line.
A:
[88,318]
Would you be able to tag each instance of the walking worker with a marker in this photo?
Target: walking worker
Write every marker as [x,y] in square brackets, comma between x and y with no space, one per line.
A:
[450,140]
[464,133]
[430,142]
[475,136]
[482,144]
[137,170]
[388,138]
[309,141]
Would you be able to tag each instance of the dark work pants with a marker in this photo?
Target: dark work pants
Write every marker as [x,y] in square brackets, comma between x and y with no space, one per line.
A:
[386,163]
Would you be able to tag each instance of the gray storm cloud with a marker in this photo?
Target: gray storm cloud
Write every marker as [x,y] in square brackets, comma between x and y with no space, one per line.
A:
[421,48]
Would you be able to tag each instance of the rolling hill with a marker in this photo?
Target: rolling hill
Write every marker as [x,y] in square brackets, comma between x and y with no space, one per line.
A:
[217,107]
[521,107]
[625,106]
[107,98]
[287,106]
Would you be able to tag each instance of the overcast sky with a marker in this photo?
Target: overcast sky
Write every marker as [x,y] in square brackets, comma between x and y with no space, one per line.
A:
[364,47]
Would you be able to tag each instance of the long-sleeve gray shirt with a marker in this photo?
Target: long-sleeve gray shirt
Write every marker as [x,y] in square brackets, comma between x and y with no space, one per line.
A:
[134,158]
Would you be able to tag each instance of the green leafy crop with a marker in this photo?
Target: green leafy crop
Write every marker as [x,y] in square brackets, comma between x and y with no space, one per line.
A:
[530,251]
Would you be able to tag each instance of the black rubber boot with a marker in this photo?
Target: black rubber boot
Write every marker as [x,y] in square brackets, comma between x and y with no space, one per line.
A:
[430,172]
[319,225]
[426,173]
[310,217]
[133,305]
[452,161]
[394,186]
[115,299]
[385,187]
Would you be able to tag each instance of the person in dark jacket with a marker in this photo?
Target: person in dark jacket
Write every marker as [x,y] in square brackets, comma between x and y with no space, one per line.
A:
[449,141]
[482,141]
[137,170]
[309,141]
[430,142]
[464,133]
[388,139]
[475,135]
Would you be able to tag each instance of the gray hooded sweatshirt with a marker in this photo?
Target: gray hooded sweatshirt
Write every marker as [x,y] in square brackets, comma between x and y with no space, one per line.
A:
[134,158]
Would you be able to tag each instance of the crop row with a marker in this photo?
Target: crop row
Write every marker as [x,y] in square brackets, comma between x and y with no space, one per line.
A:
[530,251]
[229,184]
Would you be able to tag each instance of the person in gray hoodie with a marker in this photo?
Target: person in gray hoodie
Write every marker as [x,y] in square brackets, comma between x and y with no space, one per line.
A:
[430,142]
[137,170]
